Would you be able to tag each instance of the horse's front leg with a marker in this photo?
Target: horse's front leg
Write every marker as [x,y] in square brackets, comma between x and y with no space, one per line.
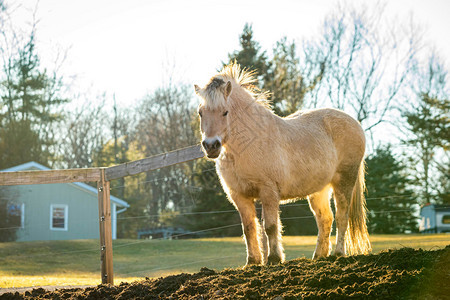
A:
[250,226]
[320,206]
[264,239]
[272,225]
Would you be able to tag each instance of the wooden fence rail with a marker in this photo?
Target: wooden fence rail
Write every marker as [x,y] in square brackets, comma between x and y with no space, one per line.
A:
[93,174]
[103,176]
[154,162]
[49,176]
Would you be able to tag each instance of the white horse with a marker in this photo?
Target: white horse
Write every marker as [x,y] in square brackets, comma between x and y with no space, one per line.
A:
[260,155]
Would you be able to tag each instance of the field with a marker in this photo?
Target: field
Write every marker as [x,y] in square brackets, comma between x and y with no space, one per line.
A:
[77,262]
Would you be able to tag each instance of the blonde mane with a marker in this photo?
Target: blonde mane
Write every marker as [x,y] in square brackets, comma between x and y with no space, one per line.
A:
[239,78]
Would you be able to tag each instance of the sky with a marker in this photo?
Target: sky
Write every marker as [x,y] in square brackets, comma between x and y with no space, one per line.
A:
[129,48]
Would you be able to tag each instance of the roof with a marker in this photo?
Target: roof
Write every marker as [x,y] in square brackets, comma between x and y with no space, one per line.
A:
[437,207]
[32,165]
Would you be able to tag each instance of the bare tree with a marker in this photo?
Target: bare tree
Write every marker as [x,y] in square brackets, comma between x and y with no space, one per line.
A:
[83,134]
[164,124]
[367,60]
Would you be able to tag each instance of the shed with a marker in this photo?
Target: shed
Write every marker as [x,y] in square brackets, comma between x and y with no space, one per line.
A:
[434,218]
[59,211]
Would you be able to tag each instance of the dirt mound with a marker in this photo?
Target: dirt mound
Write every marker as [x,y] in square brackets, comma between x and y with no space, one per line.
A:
[394,274]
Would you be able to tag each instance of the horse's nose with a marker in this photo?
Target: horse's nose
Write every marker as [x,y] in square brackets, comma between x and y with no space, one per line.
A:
[216,145]
[211,145]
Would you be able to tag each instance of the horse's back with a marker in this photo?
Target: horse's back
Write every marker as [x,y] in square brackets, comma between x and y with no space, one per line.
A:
[348,139]
[310,150]
[339,139]
[348,136]
[345,132]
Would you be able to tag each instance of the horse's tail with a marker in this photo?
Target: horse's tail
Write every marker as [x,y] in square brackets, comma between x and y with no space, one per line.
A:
[357,237]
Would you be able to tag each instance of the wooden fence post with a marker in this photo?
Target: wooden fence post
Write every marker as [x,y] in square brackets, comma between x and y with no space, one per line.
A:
[104,211]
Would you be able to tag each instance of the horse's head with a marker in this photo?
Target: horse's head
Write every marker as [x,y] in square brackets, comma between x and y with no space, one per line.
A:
[213,113]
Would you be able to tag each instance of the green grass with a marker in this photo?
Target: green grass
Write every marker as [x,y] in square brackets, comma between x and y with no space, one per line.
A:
[77,262]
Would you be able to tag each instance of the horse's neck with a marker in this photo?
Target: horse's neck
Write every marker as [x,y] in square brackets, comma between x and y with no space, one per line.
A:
[250,122]
[254,115]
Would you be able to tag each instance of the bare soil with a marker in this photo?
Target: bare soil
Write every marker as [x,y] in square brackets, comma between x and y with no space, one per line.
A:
[393,274]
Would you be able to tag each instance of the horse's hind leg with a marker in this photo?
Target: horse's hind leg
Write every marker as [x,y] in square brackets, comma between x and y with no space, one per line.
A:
[250,226]
[320,206]
[272,224]
[264,239]
[343,189]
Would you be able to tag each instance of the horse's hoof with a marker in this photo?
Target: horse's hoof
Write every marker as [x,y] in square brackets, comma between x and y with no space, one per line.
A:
[316,257]
[338,254]
[252,261]
[273,260]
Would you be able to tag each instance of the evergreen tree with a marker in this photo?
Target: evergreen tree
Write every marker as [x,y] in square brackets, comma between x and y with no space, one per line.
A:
[391,202]
[29,102]
[210,197]
[19,143]
[430,122]
[283,76]
[297,219]
[430,128]
[287,80]
[250,55]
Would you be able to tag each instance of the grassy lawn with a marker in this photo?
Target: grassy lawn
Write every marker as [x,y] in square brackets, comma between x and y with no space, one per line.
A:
[78,262]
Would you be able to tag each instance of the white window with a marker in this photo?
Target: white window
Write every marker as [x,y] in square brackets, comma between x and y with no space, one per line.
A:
[59,214]
[446,219]
[16,214]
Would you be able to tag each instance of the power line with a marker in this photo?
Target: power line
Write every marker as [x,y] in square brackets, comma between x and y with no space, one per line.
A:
[180,265]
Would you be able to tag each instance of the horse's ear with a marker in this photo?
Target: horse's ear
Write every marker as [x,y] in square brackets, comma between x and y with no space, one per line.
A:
[227,90]
[197,89]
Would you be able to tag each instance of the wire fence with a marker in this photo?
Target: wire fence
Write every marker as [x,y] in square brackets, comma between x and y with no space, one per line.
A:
[149,270]
[146,216]
[189,264]
[165,178]
[169,267]
[209,229]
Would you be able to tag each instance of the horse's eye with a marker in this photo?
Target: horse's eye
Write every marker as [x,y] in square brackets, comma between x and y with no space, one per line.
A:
[200,113]
[225,113]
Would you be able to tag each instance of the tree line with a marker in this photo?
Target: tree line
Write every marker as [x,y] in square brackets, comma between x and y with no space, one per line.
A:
[353,64]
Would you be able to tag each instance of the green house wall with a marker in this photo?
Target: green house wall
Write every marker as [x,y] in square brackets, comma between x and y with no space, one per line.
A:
[82,205]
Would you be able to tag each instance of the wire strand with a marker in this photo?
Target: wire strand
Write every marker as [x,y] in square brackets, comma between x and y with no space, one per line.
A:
[175,236]
[208,212]
[179,265]
[160,178]
[178,235]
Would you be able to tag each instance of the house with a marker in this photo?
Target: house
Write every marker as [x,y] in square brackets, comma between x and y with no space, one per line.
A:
[59,211]
[434,218]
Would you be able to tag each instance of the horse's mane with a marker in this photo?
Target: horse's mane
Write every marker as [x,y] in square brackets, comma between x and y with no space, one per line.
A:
[238,77]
